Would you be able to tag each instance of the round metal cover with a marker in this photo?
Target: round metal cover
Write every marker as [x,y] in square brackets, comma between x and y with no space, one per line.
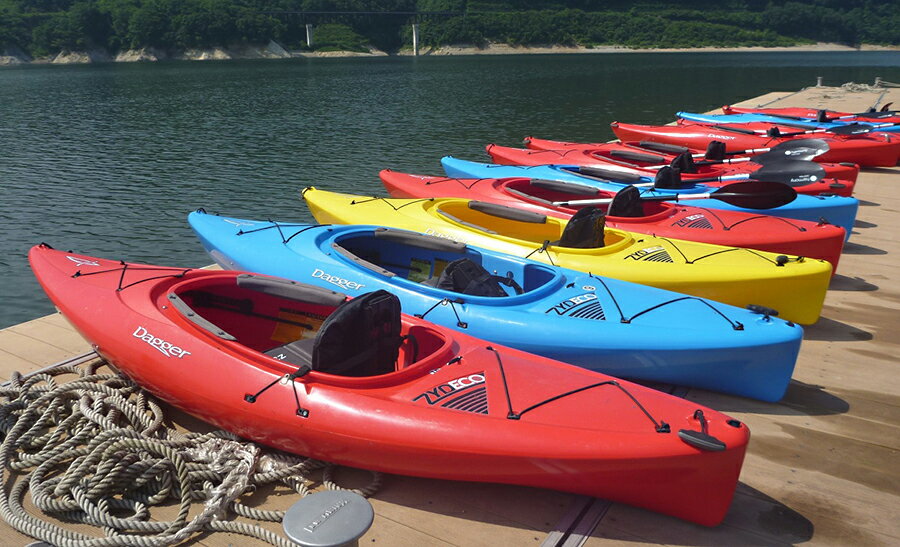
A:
[329,518]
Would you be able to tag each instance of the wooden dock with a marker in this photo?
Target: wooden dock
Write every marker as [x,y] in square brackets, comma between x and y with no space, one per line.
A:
[823,465]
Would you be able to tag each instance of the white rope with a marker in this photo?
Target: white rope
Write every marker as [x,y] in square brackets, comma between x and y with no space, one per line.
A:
[93,449]
[853,87]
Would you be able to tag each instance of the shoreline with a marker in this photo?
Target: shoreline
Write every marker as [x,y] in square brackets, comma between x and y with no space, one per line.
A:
[273,50]
[506,49]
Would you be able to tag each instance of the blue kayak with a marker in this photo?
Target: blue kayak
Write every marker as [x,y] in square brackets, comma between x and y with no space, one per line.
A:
[837,210]
[621,328]
[802,124]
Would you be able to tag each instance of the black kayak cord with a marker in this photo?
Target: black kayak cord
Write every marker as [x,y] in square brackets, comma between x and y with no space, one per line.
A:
[736,325]
[126,267]
[661,426]
[391,205]
[454,179]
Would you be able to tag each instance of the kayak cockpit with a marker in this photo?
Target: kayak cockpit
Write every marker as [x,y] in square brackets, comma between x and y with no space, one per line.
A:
[585,230]
[594,172]
[570,196]
[303,327]
[442,264]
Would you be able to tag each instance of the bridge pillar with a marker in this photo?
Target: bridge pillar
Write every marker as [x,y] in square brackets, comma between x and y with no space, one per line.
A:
[415,37]
[309,35]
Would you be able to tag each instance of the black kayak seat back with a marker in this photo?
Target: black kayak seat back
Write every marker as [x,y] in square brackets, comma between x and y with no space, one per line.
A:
[360,338]
[684,162]
[584,230]
[627,203]
[564,187]
[509,213]
[668,177]
[715,151]
[466,276]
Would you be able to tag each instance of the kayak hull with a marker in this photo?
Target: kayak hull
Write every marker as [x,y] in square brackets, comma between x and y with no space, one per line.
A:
[682,221]
[395,422]
[866,151]
[839,179]
[812,114]
[687,342]
[740,277]
[838,210]
[742,118]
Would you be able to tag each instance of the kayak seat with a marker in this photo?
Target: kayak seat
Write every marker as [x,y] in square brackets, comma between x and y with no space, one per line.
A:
[684,162]
[298,352]
[584,230]
[668,177]
[360,338]
[627,203]
[466,276]
[715,151]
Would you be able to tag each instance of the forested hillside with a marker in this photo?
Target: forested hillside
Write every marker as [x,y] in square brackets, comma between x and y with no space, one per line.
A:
[43,27]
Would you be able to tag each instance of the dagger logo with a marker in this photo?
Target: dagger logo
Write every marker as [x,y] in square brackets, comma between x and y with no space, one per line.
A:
[82,261]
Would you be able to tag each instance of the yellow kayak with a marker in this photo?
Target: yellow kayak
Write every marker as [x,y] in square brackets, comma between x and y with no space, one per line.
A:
[794,286]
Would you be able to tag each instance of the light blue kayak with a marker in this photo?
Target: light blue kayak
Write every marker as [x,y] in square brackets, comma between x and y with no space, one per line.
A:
[621,328]
[837,210]
[802,124]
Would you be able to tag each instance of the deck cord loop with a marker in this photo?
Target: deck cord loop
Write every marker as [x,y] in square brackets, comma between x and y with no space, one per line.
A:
[453,179]
[125,267]
[443,302]
[279,225]
[541,249]
[301,371]
[94,450]
[736,325]
[661,426]
[392,206]
[726,250]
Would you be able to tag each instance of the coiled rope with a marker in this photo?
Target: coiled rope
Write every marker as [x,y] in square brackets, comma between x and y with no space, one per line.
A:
[879,85]
[94,450]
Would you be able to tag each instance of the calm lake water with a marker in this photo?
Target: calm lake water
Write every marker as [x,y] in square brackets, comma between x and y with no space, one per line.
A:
[109,159]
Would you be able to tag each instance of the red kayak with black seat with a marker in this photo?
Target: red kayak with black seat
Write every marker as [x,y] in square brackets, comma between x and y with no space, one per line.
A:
[626,210]
[352,381]
[866,150]
[595,157]
[633,154]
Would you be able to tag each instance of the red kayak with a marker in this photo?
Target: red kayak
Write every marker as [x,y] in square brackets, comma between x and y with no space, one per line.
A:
[814,114]
[595,157]
[868,150]
[633,155]
[308,371]
[660,218]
